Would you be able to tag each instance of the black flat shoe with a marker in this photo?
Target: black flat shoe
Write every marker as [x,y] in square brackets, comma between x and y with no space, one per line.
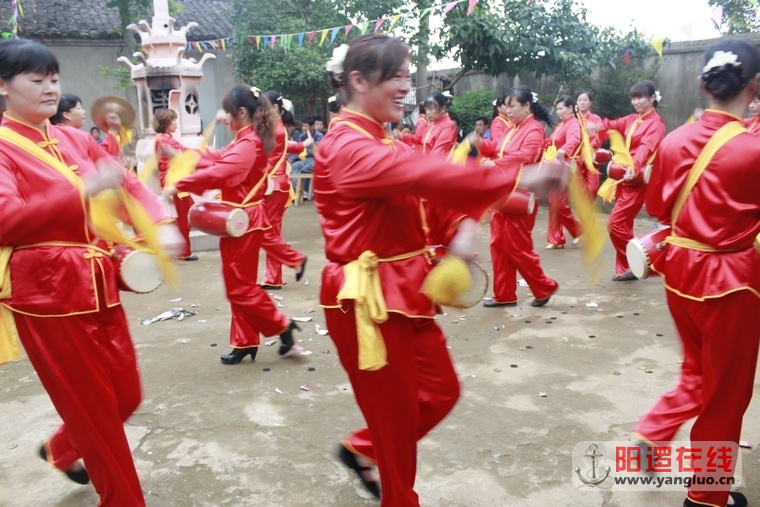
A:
[625,277]
[739,501]
[286,337]
[78,476]
[490,303]
[266,286]
[191,258]
[349,459]
[237,355]
[300,269]
[540,302]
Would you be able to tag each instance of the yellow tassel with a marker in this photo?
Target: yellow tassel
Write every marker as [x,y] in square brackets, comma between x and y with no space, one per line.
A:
[587,152]
[149,169]
[594,233]
[9,348]
[125,136]
[607,190]
[181,166]
[550,153]
[208,136]
[447,281]
[460,152]
[621,155]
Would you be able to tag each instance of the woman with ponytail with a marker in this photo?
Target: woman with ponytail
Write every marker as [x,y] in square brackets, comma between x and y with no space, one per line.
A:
[511,234]
[278,252]
[565,145]
[704,186]
[240,172]
[642,132]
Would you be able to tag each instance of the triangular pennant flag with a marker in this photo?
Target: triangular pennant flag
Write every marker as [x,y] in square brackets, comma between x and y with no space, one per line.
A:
[324,36]
[627,59]
[300,40]
[363,27]
[310,36]
[348,29]
[286,41]
[256,40]
[214,44]
[379,23]
[471,6]
[334,33]
[657,45]
[425,12]
[264,42]
[273,38]
[449,6]
[394,20]
[224,44]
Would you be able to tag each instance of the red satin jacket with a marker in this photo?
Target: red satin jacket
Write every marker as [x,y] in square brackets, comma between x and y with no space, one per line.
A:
[278,160]
[647,134]
[566,137]
[368,190]
[722,211]
[46,220]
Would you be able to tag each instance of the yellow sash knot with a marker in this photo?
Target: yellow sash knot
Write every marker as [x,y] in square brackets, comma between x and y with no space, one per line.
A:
[362,285]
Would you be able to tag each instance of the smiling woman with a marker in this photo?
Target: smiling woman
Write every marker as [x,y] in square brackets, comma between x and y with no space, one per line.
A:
[368,191]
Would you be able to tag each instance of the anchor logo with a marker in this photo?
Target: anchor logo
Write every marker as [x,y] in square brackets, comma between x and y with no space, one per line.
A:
[590,477]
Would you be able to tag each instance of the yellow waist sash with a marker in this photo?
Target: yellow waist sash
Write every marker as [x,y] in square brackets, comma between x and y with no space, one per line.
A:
[362,285]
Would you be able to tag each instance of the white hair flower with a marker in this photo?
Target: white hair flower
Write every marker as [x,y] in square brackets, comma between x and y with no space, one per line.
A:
[535,97]
[721,59]
[255,91]
[448,94]
[335,64]
[495,101]
[287,105]
[657,96]
[332,99]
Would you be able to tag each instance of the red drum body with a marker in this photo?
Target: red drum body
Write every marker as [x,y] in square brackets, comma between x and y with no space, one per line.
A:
[644,250]
[218,219]
[138,271]
[520,202]
[616,172]
[603,156]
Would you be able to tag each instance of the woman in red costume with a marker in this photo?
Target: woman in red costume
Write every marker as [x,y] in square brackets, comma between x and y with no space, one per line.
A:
[585,116]
[240,172]
[275,203]
[368,189]
[564,144]
[165,145]
[79,346]
[710,267]
[753,122]
[643,132]
[500,125]
[511,234]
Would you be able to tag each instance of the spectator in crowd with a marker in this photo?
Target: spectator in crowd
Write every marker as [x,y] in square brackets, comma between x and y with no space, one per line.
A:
[95,133]
[306,163]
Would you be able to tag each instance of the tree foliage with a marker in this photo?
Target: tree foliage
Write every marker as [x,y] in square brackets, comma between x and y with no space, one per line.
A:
[739,16]
[470,105]
[298,74]
[542,37]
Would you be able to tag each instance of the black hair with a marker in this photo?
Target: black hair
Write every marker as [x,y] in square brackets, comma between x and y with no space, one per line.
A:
[456,119]
[287,118]
[309,120]
[94,129]
[586,92]
[643,89]
[524,95]
[481,118]
[438,100]
[319,118]
[275,98]
[421,108]
[727,81]
[335,105]
[68,102]
[262,114]
[21,56]
[568,101]
[375,56]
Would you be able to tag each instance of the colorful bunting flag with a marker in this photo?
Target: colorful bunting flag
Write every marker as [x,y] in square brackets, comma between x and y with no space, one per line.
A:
[324,36]
[657,45]
[449,6]
[471,6]
[348,29]
[379,23]
[394,20]
[309,37]
[300,40]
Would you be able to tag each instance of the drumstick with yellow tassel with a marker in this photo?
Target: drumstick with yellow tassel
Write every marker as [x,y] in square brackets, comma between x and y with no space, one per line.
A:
[622,157]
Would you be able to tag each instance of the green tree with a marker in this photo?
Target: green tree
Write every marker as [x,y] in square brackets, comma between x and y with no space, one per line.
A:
[542,37]
[299,74]
[470,105]
[739,16]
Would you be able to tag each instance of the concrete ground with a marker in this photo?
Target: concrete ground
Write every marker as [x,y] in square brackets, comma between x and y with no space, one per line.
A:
[208,434]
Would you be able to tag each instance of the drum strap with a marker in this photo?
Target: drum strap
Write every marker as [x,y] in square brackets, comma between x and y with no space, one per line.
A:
[716,142]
